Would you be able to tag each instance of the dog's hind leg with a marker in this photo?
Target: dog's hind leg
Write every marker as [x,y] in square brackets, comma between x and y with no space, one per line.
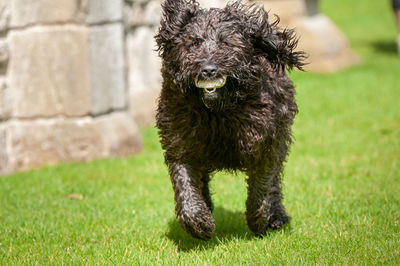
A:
[264,203]
[191,206]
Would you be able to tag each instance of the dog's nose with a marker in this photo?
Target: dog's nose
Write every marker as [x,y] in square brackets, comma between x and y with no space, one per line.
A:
[209,71]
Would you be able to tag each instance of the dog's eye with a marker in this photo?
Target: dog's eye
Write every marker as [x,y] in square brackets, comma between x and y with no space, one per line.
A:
[223,44]
[196,45]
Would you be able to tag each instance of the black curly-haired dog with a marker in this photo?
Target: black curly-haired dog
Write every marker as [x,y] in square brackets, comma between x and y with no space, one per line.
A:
[226,103]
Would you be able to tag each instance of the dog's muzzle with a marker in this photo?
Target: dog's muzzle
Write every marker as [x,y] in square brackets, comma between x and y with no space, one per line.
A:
[210,86]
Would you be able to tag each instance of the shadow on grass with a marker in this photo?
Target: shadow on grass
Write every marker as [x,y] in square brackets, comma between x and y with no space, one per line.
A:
[385,46]
[230,226]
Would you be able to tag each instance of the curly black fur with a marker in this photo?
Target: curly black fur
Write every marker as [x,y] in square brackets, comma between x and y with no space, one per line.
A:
[244,125]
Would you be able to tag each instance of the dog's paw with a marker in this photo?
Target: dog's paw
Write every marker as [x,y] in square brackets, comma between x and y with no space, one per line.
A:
[276,221]
[259,225]
[199,225]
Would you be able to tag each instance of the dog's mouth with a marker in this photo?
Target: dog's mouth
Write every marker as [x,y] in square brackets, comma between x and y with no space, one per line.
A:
[210,86]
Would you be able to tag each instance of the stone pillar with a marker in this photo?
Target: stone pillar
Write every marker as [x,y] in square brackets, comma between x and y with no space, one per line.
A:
[63,89]
[327,47]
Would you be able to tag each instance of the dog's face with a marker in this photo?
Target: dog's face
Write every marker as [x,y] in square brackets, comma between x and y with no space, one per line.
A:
[219,54]
[216,54]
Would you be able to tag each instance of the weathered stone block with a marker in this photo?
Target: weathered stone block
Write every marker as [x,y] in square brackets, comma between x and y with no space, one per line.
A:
[120,135]
[48,72]
[100,11]
[38,143]
[28,12]
[107,68]
[46,142]
[143,59]
[144,74]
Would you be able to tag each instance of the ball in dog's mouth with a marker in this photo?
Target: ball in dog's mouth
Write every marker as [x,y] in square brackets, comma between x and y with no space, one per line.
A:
[210,86]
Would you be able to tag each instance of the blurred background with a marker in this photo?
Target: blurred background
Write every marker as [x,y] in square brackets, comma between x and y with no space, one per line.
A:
[79,78]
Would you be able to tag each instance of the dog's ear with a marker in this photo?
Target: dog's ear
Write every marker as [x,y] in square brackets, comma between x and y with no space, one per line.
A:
[277,45]
[176,15]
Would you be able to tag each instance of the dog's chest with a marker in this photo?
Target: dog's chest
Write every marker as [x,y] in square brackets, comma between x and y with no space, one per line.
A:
[226,142]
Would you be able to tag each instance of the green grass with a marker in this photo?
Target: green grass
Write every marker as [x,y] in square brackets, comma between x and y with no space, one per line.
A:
[342,182]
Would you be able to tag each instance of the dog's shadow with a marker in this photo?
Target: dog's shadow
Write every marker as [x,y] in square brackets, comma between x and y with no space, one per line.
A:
[230,226]
[385,46]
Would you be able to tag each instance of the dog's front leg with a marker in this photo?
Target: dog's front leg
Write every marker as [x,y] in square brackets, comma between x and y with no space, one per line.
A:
[264,203]
[191,207]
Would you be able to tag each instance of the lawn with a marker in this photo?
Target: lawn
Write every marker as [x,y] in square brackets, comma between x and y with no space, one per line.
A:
[341,183]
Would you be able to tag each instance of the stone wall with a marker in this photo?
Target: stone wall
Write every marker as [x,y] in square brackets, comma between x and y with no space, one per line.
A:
[63,87]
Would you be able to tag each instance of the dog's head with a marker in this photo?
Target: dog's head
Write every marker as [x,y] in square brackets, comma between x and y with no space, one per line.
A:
[220,54]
